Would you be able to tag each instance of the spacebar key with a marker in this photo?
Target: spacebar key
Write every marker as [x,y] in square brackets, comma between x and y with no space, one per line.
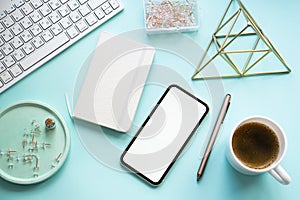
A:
[44,51]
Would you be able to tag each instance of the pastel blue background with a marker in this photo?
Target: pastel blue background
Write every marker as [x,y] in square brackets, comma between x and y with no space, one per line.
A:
[277,97]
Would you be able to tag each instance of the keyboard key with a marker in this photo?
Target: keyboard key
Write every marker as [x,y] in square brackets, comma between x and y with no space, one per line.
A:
[54,17]
[47,49]
[114,4]
[28,48]
[47,35]
[17,15]
[45,10]
[105,6]
[27,9]
[7,49]
[95,3]
[75,16]
[2,14]
[16,29]
[5,77]
[99,13]
[37,42]
[7,35]
[11,9]
[18,54]
[64,1]
[84,10]
[9,61]
[16,42]
[81,25]
[73,4]
[1,28]
[108,10]
[45,23]
[26,36]
[15,70]
[91,19]
[26,23]
[2,68]
[35,30]
[35,16]
[65,22]
[1,42]
[8,21]
[56,29]
[36,3]
[19,3]
[63,11]
[54,4]
[72,32]
[82,1]
[1,55]
[1,84]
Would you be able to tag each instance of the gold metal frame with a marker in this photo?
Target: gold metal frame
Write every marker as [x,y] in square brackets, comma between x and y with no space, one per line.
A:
[230,37]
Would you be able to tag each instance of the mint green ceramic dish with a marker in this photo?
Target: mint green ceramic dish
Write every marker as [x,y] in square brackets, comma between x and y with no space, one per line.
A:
[29,153]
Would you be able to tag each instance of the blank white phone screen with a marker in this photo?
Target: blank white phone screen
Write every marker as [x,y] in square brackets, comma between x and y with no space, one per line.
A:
[164,134]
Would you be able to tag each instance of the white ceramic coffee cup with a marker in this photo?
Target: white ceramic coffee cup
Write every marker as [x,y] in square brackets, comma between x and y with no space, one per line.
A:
[275,168]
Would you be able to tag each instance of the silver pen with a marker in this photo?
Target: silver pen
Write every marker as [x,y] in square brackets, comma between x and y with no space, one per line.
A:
[214,134]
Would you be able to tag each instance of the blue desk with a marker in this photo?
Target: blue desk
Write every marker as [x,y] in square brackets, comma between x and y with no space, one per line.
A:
[83,177]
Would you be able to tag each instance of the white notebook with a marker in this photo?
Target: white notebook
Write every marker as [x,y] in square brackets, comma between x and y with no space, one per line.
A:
[114,82]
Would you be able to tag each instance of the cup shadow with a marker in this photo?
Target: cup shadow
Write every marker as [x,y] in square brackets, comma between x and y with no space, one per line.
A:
[244,183]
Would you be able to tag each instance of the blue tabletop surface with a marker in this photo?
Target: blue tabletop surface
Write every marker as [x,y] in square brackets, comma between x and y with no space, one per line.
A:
[274,96]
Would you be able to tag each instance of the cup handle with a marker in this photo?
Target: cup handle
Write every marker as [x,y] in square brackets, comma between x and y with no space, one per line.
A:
[280,175]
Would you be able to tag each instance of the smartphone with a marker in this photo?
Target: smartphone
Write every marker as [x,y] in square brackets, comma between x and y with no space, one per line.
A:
[164,134]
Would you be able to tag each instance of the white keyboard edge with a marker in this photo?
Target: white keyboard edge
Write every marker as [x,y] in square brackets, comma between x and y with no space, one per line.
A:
[62,48]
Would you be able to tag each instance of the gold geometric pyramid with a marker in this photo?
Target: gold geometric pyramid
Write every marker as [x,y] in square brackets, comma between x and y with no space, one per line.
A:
[241,44]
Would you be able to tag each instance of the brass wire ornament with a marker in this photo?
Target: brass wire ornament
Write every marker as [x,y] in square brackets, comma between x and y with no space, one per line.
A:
[224,46]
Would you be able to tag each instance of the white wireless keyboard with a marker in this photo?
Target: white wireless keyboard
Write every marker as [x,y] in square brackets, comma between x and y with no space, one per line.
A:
[34,31]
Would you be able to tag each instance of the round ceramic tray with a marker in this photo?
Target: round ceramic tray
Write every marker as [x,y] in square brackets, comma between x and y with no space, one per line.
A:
[30,153]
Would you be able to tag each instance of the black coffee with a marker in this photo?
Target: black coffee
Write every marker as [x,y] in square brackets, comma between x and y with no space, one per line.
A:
[256,145]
